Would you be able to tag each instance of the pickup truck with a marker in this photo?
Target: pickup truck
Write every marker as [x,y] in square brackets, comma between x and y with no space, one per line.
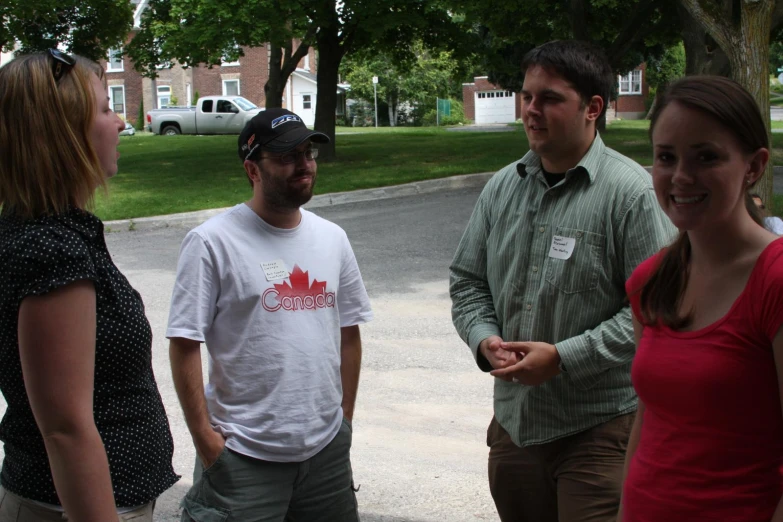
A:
[211,115]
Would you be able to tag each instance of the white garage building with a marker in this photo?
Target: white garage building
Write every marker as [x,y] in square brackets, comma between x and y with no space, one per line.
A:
[486,102]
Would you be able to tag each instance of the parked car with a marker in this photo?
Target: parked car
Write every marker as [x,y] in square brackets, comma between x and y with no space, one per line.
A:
[129,130]
[211,115]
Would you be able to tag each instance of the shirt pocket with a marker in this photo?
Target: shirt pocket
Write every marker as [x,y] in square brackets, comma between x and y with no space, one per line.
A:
[582,270]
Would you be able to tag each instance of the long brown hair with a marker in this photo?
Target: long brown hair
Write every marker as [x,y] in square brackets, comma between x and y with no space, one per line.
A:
[47,162]
[733,107]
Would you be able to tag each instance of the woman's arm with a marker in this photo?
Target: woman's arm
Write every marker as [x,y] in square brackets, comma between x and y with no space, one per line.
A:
[633,439]
[777,350]
[57,351]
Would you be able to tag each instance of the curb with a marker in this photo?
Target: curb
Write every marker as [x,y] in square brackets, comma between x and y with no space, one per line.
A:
[323,200]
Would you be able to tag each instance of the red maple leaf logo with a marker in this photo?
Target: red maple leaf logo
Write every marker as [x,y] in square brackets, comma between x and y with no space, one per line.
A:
[300,285]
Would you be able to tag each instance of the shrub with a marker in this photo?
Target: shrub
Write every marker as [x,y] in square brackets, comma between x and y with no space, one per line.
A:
[456,117]
[195,97]
[140,119]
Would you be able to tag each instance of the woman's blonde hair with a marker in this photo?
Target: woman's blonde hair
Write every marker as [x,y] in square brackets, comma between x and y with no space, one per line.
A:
[47,163]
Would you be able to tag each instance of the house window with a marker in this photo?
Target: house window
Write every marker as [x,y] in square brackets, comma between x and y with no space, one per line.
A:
[230,87]
[164,96]
[114,61]
[117,99]
[631,83]
[307,101]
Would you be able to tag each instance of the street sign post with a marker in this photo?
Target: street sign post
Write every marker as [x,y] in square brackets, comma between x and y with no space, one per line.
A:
[375,91]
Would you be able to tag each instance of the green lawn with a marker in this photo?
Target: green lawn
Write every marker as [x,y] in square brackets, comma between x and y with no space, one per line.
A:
[168,174]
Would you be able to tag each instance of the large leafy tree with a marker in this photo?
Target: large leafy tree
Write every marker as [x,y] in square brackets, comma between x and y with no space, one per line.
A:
[383,25]
[207,32]
[86,27]
[203,31]
[629,31]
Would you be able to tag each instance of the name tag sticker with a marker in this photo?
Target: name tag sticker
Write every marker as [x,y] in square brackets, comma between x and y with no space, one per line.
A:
[562,247]
[274,270]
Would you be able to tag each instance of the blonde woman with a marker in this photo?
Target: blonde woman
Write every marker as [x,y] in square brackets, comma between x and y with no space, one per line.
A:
[85,433]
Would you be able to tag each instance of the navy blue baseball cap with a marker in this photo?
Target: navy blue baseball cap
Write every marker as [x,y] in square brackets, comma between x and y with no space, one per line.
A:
[276,130]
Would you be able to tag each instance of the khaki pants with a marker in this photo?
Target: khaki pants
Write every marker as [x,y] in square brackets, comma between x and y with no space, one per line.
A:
[238,488]
[574,479]
[14,508]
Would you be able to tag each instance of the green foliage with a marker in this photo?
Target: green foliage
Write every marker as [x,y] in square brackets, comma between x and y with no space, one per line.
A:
[775,57]
[667,67]
[141,118]
[196,96]
[410,84]
[456,117]
[630,31]
[85,27]
[173,101]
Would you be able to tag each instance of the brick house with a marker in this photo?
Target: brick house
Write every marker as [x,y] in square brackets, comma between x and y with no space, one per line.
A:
[245,77]
[486,102]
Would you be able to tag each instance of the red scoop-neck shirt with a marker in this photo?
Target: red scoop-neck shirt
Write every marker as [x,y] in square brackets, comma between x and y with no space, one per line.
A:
[711,445]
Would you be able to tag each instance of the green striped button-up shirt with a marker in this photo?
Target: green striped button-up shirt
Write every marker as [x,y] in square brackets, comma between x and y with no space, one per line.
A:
[550,264]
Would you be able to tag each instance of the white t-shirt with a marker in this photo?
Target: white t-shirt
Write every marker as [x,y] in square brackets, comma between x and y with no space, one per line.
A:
[774,224]
[269,303]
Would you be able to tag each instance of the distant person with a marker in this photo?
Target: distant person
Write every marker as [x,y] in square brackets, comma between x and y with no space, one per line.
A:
[707,443]
[85,434]
[537,289]
[275,293]
[773,223]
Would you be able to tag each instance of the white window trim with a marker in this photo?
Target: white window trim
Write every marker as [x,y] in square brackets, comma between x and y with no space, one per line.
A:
[310,102]
[109,65]
[124,100]
[239,86]
[165,95]
[628,78]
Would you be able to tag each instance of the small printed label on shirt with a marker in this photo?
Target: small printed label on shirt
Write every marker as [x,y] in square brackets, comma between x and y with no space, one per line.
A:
[562,247]
[274,270]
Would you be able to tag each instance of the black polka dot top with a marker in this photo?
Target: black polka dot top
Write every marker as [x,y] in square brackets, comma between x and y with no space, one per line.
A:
[36,257]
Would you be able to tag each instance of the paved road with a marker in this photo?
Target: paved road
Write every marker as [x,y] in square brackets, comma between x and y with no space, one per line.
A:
[423,407]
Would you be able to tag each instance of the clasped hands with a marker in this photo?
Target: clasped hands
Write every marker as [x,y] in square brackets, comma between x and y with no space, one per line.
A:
[530,363]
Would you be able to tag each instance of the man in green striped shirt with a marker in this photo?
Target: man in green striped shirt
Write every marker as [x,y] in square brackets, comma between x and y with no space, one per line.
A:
[537,288]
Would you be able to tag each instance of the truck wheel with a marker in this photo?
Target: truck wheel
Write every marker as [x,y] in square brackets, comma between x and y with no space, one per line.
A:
[170,130]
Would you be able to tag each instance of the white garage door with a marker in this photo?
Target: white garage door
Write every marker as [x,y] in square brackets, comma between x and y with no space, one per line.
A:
[495,107]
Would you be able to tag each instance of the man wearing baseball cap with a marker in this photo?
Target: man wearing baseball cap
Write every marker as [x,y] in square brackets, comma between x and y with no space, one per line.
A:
[275,293]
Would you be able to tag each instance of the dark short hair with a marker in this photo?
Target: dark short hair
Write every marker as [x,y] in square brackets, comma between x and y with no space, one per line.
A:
[724,100]
[580,63]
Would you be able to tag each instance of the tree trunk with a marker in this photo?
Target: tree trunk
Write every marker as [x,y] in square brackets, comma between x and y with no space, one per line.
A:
[330,54]
[702,53]
[746,45]
[391,100]
[275,84]
[282,62]
[577,18]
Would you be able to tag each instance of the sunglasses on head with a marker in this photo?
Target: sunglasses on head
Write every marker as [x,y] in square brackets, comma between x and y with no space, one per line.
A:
[61,64]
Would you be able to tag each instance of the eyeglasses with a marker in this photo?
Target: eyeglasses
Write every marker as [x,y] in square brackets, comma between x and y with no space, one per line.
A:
[292,157]
[61,64]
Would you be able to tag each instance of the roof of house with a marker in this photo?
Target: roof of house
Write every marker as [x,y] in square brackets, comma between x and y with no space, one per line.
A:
[306,75]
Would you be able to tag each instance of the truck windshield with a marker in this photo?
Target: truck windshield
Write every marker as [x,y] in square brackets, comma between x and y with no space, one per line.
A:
[244,104]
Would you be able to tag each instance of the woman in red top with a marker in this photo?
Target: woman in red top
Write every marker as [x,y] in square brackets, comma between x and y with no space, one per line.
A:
[707,443]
